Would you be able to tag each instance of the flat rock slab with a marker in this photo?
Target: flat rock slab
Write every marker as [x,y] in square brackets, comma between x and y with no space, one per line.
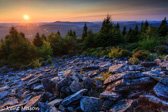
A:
[27,77]
[139,81]
[13,108]
[116,68]
[33,101]
[73,97]
[90,104]
[3,94]
[114,77]
[109,95]
[161,90]
[164,65]
[133,75]
[121,106]
[10,102]
[55,102]
[65,82]
[158,77]
[153,99]
[149,64]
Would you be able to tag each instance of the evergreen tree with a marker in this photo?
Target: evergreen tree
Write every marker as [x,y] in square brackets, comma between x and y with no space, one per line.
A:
[106,25]
[124,32]
[163,28]
[43,36]
[118,26]
[89,40]
[58,32]
[136,30]
[38,41]
[84,34]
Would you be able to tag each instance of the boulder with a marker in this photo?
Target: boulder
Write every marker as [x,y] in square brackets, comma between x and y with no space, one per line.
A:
[27,77]
[121,106]
[116,68]
[64,82]
[149,64]
[164,65]
[10,102]
[65,91]
[158,61]
[133,75]
[76,96]
[55,102]
[161,90]
[139,81]
[114,77]
[109,95]
[15,108]
[33,101]
[90,104]
[75,86]
[91,67]
[153,99]
[3,94]
[88,83]
[49,85]
[108,103]
[67,73]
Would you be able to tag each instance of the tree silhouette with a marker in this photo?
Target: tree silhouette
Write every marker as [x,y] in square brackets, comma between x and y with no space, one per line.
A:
[84,34]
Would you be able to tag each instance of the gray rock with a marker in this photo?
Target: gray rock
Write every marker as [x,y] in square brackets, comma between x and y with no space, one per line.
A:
[65,82]
[3,94]
[65,91]
[108,103]
[114,77]
[109,95]
[164,65]
[139,81]
[149,64]
[121,106]
[76,96]
[133,75]
[88,83]
[93,67]
[49,85]
[161,90]
[153,99]
[27,77]
[55,102]
[75,86]
[10,102]
[33,101]
[55,79]
[90,104]
[116,68]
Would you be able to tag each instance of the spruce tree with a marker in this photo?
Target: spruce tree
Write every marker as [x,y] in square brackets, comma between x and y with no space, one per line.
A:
[84,34]
[38,41]
[106,25]
[163,28]
[124,32]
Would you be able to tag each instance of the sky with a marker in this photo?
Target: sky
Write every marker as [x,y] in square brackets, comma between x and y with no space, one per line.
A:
[82,10]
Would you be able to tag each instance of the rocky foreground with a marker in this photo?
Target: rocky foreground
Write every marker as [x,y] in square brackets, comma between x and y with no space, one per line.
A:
[87,84]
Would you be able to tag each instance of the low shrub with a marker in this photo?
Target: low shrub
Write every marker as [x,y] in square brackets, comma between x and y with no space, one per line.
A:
[141,54]
[118,53]
[49,60]
[161,49]
[36,63]
[134,61]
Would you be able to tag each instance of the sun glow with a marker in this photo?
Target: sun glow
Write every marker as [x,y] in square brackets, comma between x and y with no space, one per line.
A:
[26,17]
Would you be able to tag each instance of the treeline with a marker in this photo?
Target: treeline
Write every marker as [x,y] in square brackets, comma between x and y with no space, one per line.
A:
[16,50]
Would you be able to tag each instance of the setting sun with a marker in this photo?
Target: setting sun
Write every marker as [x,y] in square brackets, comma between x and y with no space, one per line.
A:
[26,17]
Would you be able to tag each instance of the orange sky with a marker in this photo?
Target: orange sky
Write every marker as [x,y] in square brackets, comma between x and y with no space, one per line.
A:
[78,10]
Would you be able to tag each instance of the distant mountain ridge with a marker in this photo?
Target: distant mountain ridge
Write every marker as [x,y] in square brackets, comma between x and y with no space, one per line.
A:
[31,29]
